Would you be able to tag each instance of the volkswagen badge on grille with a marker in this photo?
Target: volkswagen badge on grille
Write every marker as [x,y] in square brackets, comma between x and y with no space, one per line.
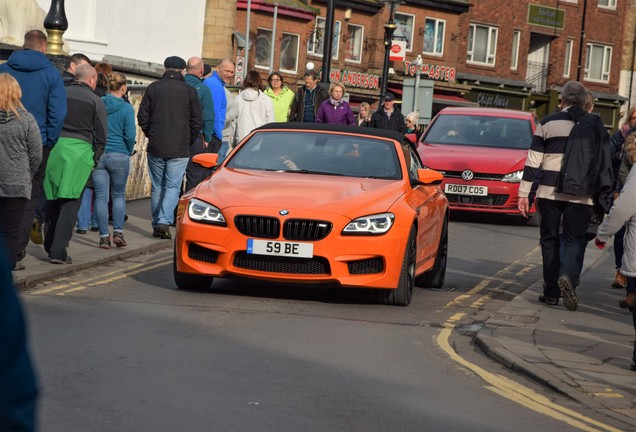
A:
[467,175]
[283,212]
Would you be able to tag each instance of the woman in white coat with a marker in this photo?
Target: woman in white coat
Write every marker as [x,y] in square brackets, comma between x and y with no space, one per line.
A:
[623,212]
[255,108]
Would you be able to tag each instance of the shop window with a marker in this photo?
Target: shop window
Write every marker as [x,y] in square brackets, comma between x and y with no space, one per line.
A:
[597,62]
[316,43]
[610,4]
[568,58]
[353,44]
[514,59]
[404,30]
[262,58]
[289,52]
[482,44]
[434,30]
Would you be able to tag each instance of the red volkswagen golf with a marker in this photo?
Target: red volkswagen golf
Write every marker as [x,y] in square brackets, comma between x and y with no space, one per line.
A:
[481,152]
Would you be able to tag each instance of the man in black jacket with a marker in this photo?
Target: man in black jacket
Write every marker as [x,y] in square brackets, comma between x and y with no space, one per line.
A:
[388,116]
[170,116]
[307,99]
[566,147]
[81,144]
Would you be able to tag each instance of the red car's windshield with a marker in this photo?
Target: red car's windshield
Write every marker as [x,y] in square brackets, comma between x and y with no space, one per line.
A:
[482,131]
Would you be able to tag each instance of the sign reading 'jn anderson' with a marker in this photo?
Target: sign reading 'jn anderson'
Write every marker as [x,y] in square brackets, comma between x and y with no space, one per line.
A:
[546,16]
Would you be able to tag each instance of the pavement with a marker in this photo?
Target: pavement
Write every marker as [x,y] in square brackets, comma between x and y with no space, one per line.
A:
[584,354]
[84,250]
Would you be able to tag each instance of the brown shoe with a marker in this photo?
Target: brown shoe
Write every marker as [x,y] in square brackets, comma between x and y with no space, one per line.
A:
[620,280]
[628,302]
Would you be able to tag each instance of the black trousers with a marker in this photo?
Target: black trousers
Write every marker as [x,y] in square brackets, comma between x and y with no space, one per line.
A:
[195,174]
[11,213]
[31,205]
[562,253]
[59,216]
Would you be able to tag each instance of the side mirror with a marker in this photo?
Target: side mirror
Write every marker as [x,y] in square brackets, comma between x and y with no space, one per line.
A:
[429,177]
[206,160]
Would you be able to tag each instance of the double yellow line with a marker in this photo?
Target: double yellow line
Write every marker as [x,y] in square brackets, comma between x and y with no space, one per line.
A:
[102,279]
[499,384]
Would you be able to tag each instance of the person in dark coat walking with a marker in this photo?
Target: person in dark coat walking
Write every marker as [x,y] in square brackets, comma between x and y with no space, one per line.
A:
[307,99]
[170,116]
[388,116]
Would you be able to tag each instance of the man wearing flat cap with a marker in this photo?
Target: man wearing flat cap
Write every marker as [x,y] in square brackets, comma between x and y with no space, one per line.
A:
[170,117]
[388,116]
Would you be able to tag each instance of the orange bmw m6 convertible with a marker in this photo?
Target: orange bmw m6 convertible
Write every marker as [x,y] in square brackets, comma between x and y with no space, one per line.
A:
[313,203]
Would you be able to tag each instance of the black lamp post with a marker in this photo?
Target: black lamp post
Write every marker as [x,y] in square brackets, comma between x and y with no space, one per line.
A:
[389,29]
[56,24]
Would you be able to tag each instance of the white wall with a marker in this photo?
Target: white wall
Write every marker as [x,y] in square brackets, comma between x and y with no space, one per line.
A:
[146,30]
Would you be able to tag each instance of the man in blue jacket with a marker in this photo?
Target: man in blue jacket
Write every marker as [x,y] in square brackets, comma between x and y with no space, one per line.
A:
[194,73]
[220,78]
[43,95]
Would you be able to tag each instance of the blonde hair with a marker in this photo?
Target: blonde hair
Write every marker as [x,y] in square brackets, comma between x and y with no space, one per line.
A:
[10,94]
[116,80]
[335,84]
[630,147]
[412,116]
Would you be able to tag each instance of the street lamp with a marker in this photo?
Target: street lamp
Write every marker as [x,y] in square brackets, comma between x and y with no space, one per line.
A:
[389,29]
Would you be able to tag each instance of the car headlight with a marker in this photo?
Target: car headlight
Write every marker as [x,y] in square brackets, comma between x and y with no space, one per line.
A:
[203,212]
[370,225]
[513,177]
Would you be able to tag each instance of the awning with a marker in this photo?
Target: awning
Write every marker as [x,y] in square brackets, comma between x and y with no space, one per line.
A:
[395,90]
[450,100]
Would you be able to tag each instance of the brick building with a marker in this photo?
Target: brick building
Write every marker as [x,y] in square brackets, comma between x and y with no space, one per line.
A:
[491,53]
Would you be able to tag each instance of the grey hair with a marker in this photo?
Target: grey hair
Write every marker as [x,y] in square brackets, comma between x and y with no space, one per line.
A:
[573,93]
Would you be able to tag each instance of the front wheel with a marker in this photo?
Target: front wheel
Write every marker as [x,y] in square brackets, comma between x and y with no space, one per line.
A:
[434,278]
[402,295]
[188,281]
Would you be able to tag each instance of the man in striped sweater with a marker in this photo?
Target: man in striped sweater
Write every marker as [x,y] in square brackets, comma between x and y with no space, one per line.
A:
[566,191]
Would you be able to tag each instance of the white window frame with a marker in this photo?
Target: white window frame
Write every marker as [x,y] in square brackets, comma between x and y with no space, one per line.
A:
[491,45]
[269,59]
[436,35]
[514,59]
[280,60]
[569,44]
[409,40]
[611,4]
[361,42]
[311,46]
[606,62]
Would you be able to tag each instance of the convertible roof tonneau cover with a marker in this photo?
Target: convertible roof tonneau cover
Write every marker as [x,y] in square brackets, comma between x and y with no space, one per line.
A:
[321,127]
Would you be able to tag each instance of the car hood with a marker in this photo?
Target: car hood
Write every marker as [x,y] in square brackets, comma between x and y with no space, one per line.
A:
[348,196]
[443,157]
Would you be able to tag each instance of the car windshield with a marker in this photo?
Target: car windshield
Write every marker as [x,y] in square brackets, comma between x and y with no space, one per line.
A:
[482,131]
[318,153]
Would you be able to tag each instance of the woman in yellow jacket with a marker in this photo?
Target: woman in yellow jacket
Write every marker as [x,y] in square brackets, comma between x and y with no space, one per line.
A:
[282,97]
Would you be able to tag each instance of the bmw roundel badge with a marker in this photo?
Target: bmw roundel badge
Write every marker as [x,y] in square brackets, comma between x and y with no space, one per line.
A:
[283,212]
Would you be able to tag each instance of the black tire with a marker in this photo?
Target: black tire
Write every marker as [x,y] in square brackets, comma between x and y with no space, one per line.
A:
[188,281]
[434,278]
[402,295]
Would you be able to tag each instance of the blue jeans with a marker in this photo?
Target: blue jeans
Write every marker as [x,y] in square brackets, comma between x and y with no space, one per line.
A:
[85,214]
[110,177]
[223,151]
[562,255]
[166,177]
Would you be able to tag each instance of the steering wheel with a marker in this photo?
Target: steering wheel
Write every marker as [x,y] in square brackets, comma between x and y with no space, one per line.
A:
[275,163]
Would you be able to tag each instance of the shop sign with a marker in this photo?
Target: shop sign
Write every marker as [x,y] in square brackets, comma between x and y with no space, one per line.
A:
[355,79]
[397,51]
[441,73]
[546,16]
[492,100]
